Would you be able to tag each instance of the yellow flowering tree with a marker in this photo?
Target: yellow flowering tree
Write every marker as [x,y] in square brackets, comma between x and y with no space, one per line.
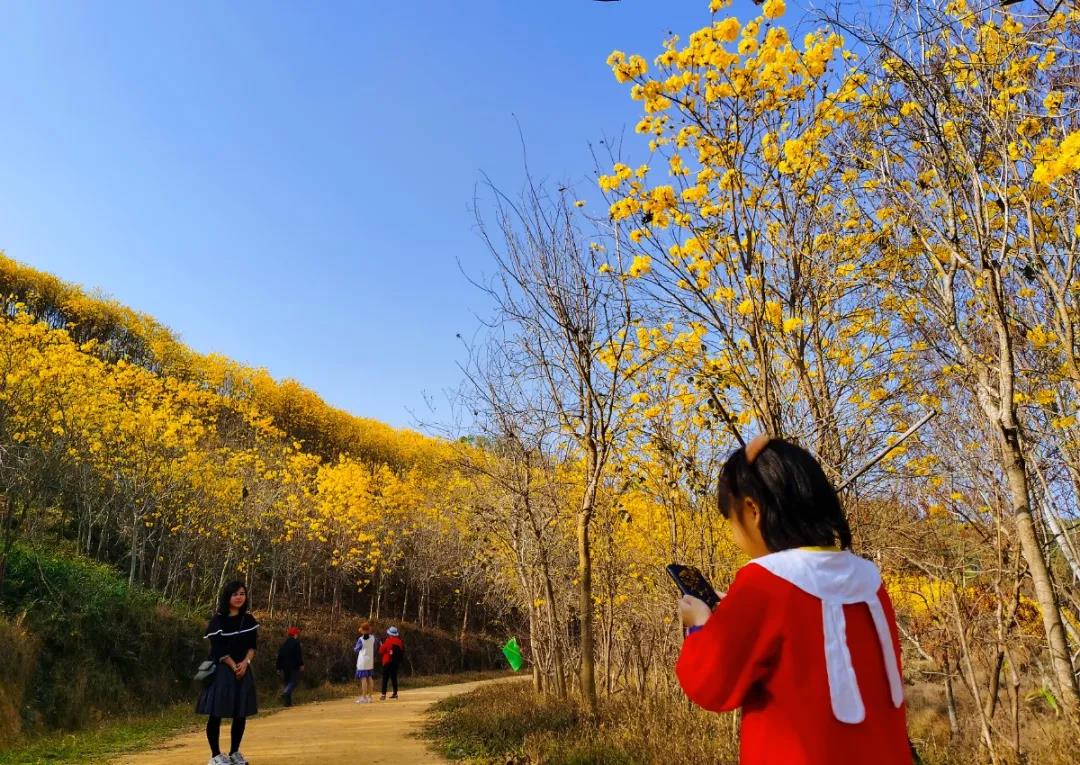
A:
[962,143]
[740,230]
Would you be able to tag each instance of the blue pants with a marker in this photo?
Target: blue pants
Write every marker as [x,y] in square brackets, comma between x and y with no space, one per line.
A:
[290,685]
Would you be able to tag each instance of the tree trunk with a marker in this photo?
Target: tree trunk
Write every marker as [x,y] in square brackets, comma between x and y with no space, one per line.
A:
[964,663]
[335,602]
[221,577]
[538,677]
[1060,660]
[587,672]
[1014,682]
[950,698]
[1064,542]
[557,663]
[134,557]
[8,531]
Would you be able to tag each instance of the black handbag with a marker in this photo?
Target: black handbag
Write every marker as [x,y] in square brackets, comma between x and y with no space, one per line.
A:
[205,673]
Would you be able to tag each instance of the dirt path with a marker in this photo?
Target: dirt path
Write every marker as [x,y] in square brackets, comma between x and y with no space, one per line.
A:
[339,732]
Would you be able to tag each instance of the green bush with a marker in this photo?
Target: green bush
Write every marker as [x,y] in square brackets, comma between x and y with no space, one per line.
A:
[102,648]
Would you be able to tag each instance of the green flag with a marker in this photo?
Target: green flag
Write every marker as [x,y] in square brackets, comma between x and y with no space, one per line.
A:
[512,652]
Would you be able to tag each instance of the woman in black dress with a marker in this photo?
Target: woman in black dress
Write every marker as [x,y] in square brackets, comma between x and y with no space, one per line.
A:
[231,693]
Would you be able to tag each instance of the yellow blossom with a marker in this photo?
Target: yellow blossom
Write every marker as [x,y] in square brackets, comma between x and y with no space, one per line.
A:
[773,8]
[641,265]
[728,29]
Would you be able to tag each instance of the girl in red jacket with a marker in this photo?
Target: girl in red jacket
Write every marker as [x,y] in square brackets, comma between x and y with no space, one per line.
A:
[805,639]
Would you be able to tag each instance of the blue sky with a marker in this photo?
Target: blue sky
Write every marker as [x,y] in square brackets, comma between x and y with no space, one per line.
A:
[291,184]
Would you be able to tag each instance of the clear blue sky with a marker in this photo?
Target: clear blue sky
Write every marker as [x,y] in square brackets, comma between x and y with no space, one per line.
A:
[290,184]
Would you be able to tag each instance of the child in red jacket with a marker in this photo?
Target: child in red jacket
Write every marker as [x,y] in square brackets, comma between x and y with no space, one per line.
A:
[805,639]
[390,651]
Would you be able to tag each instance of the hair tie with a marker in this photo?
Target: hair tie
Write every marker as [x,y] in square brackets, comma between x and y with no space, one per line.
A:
[756,447]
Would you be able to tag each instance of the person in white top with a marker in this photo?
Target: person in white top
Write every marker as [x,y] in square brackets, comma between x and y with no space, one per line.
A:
[365,648]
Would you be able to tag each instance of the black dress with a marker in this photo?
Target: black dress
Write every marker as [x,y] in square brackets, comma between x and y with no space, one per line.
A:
[226,696]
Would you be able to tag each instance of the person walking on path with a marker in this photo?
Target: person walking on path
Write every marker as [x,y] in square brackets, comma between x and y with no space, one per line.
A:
[290,662]
[365,648]
[391,651]
[231,692]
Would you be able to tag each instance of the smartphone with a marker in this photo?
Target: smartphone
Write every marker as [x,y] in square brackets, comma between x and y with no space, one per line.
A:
[690,581]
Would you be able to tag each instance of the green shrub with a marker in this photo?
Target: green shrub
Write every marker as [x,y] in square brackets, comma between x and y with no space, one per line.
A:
[102,647]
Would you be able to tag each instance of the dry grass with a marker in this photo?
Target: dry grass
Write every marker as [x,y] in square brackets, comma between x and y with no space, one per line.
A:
[1045,737]
[507,724]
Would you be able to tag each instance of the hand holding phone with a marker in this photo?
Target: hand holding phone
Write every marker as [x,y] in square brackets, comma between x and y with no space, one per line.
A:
[692,582]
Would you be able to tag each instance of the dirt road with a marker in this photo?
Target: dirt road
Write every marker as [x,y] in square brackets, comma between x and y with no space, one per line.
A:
[338,732]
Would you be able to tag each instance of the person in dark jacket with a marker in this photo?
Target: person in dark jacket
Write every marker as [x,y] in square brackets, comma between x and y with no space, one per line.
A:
[290,662]
[391,650]
[231,692]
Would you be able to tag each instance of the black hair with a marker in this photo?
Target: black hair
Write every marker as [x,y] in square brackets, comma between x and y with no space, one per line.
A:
[226,594]
[799,506]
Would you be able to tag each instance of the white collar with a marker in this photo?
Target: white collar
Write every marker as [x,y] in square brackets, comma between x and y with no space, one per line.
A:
[833,575]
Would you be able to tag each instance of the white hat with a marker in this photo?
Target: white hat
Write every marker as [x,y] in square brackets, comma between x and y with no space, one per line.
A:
[392,631]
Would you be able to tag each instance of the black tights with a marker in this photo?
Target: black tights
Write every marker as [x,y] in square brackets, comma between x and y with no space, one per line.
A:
[213,734]
[389,673]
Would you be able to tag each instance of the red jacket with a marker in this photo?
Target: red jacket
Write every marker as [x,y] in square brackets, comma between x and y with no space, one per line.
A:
[386,648]
[806,643]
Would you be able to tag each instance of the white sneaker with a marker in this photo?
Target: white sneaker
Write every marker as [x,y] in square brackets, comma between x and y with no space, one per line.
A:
[221,759]
[360,700]
[237,759]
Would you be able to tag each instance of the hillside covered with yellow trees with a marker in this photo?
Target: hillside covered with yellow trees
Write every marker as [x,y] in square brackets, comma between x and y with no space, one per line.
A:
[183,469]
[828,237]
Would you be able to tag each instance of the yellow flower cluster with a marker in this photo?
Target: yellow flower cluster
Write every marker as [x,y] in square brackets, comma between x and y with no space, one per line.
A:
[627,69]
[1060,161]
